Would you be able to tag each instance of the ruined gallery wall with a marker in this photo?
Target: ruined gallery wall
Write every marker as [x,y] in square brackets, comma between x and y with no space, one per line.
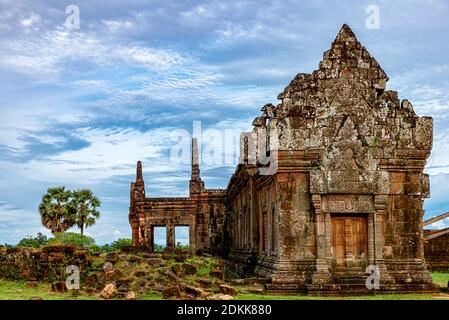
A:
[437,253]
[167,213]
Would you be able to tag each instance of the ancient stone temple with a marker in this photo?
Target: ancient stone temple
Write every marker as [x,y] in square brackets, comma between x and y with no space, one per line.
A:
[330,182]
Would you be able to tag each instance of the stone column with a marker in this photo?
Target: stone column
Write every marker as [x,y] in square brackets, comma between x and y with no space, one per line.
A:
[371,236]
[192,245]
[321,274]
[260,227]
[327,237]
[380,205]
[254,212]
[135,233]
[269,226]
[170,235]
[148,237]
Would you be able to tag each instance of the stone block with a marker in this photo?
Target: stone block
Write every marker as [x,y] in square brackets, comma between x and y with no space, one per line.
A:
[171,292]
[109,291]
[227,289]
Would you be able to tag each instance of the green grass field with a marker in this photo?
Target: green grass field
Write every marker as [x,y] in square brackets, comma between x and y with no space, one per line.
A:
[18,290]
[440,278]
[372,297]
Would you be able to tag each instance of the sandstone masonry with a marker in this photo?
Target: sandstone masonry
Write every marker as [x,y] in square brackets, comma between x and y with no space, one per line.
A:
[347,190]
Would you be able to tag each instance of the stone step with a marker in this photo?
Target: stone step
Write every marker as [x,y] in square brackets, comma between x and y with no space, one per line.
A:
[350,280]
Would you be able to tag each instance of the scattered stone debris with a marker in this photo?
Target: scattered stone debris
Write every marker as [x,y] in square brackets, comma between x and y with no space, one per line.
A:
[171,292]
[220,297]
[189,269]
[217,273]
[109,291]
[130,295]
[155,261]
[227,290]
[108,267]
[112,257]
[205,282]
[59,286]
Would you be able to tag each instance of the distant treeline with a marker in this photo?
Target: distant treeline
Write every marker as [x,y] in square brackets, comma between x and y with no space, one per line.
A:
[71,238]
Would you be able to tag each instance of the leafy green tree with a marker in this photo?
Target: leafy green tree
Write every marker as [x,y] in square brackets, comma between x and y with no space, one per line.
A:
[55,210]
[120,243]
[72,238]
[106,248]
[85,205]
[158,247]
[94,248]
[36,242]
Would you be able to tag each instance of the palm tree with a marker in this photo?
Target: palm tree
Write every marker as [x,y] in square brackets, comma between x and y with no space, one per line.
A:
[85,205]
[56,213]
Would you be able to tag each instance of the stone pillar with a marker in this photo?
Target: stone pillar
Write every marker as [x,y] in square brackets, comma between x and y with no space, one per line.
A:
[170,236]
[135,233]
[254,218]
[327,237]
[380,205]
[149,238]
[371,236]
[270,224]
[192,233]
[321,274]
[260,226]
[196,185]
[192,245]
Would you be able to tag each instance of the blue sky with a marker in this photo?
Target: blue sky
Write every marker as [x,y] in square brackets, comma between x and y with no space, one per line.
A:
[80,107]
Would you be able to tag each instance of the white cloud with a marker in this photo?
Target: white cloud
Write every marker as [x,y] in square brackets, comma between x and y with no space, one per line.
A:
[439,224]
[17,223]
[30,20]
[51,53]
[111,152]
[118,25]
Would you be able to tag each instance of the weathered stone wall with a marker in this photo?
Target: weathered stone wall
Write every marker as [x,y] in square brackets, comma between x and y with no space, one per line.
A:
[46,264]
[436,251]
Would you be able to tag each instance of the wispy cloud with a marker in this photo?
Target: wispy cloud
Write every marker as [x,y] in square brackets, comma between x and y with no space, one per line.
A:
[81,107]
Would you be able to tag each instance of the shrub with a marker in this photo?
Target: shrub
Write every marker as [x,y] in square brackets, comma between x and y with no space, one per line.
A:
[72,238]
[106,248]
[94,248]
[36,242]
[158,247]
[181,246]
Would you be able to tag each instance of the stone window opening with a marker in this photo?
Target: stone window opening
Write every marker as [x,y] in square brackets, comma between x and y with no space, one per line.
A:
[182,237]
[379,93]
[159,238]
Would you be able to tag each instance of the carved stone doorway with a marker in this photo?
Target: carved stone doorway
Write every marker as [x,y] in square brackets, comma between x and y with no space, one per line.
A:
[349,242]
